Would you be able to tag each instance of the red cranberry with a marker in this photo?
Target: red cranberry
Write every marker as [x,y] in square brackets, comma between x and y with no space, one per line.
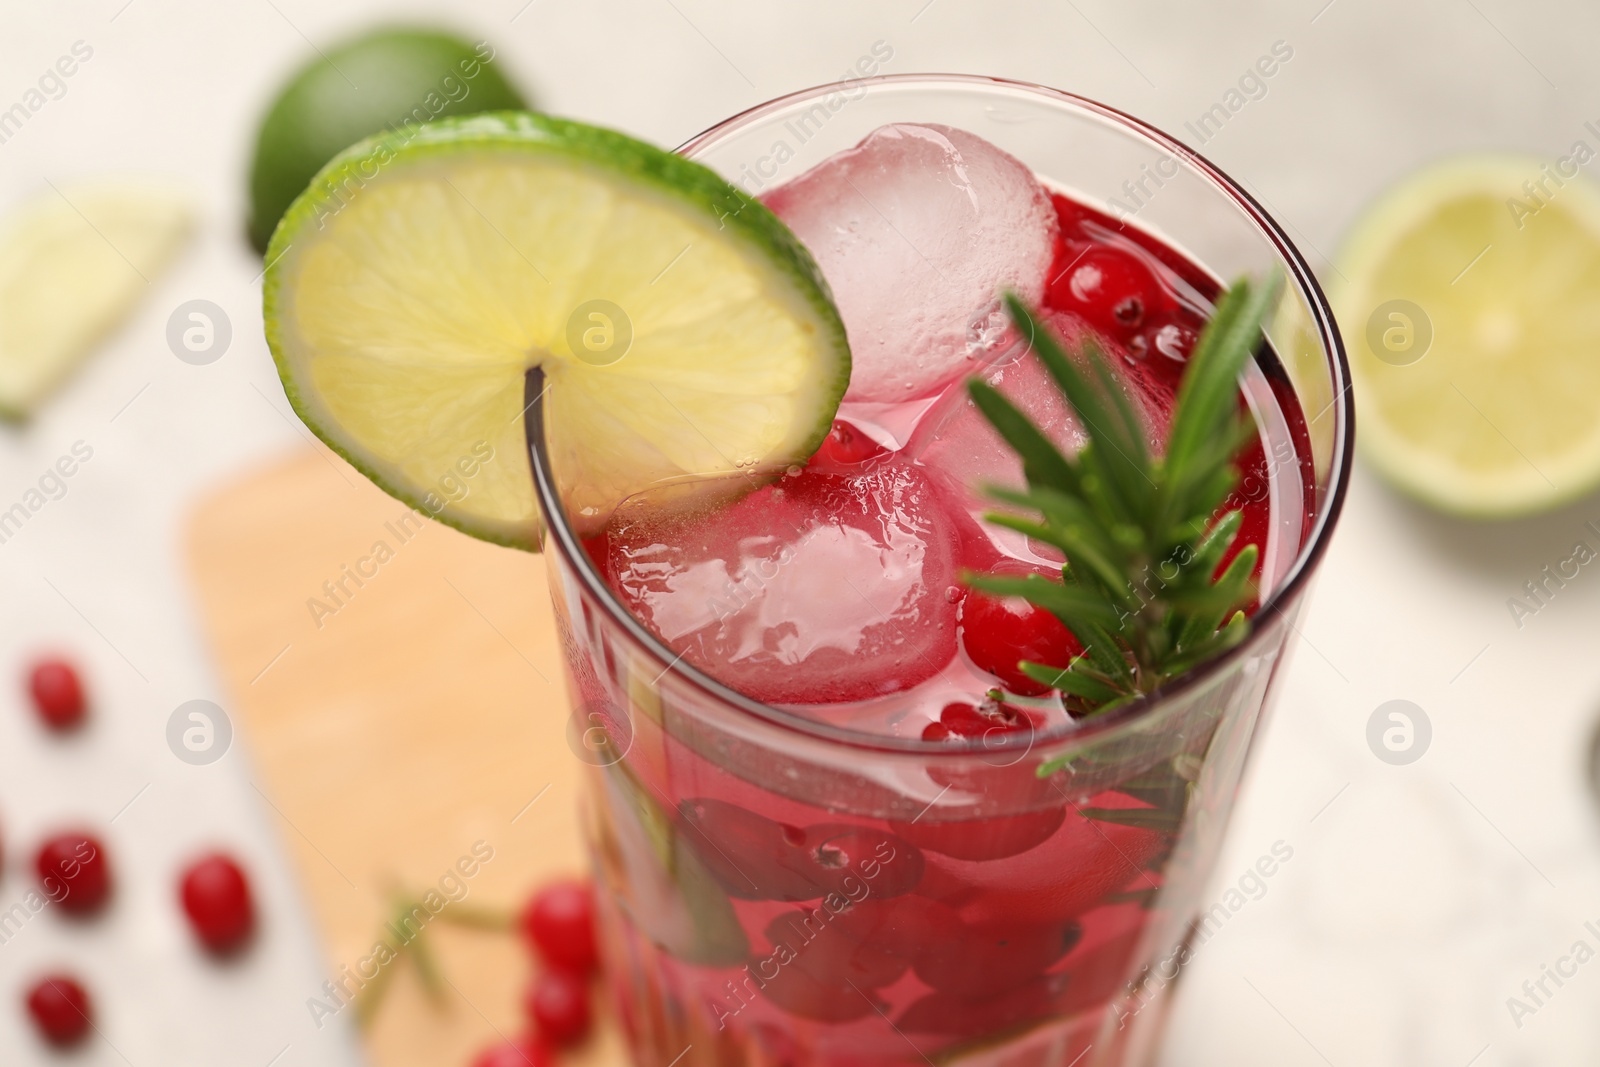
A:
[1092,974]
[889,864]
[954,1015]
[523,1052]
[757,858]
[1065,876]
[982,960]
[216,897]
[797,993]
[1109,287]
[986,719]
[57,693]
[558,923]
[749,854]
[847,446]
[74,872]
[558,1004]
[988,837]
[818,981]
[1000,632]
[60,1009]
[827,950]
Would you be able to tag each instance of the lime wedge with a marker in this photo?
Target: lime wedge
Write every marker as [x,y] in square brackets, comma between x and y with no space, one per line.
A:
[73,263]
[1464,295]
[682,329]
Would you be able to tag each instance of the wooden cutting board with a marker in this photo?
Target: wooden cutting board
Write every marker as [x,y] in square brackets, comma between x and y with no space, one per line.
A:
[396,716]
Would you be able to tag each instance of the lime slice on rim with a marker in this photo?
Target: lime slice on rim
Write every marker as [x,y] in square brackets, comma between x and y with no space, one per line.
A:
[1464,299]
[73,264]
[682,328]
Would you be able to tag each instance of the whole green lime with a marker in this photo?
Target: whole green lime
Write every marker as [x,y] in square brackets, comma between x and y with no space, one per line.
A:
[397,77]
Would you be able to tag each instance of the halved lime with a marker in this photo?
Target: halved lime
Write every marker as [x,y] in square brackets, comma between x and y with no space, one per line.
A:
[1465,296]
[73,262]
[682,329]
[391,77]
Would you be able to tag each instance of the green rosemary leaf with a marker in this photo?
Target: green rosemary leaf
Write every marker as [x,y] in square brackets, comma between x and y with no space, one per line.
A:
[1161,820]
[1037,530]
[1079,541]
[1198,489]
[1069,604]
[1216,599]
[1208,395]
[370,997]
[1141,588]
[1105,652]
[477,918]
[433,981]
[1210,647]
[1191,413]
[1041,459]
[1060,508]
[1214,544]
[1103,483]
[1073,680]
[1130,430]
[1161,786]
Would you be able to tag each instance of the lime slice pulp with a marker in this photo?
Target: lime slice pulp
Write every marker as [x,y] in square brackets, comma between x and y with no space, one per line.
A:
[1464,297]
[682,328]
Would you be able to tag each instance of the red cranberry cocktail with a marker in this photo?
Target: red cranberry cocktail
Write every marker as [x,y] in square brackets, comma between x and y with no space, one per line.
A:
[817,811]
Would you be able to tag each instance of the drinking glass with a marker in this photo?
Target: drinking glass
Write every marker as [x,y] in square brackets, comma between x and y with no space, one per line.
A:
[704,804]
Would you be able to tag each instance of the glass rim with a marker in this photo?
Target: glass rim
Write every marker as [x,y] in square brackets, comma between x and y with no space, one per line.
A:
[1311,551]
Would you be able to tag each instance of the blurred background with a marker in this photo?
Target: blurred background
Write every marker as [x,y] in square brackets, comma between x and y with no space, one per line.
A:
[1421,896]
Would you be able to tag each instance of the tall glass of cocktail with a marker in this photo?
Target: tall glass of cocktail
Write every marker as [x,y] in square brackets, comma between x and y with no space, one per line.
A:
[833,822]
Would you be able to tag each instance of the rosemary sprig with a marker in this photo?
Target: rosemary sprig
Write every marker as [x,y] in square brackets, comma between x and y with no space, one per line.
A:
[1140,531]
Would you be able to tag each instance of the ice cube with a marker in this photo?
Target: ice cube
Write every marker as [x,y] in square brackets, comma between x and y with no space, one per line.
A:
[917,229]
[820,588]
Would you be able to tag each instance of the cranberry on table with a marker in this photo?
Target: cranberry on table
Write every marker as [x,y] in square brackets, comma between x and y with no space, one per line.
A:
[60,1009]
[74,872]
[57,693]
[558,923]
[558,1004]
[523,1052]
[216,897]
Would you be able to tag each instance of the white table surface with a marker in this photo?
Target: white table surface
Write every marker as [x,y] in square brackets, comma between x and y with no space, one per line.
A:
[1418,899]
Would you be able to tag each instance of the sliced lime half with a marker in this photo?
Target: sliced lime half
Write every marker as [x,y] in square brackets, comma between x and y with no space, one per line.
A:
[1465,296]
[682,329]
